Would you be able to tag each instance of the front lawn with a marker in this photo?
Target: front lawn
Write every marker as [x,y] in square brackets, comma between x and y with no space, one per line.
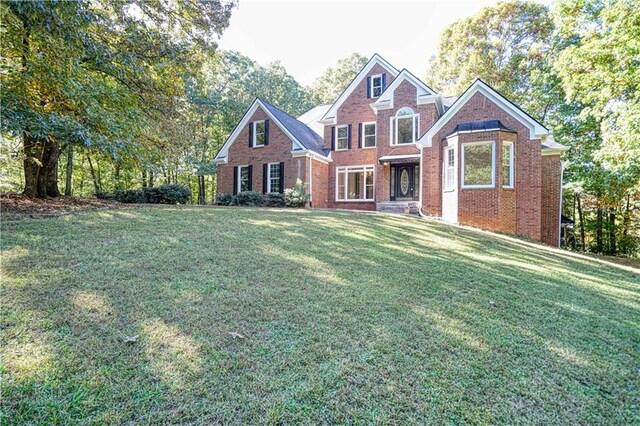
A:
[252,316]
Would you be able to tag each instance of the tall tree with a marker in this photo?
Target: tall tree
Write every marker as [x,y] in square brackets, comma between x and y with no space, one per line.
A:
[326,88]
[505,45]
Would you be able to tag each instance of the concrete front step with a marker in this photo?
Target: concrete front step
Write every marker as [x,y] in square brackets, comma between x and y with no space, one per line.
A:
[398,207]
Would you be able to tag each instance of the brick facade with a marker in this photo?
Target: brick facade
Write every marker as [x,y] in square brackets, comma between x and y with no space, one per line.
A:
[530,208]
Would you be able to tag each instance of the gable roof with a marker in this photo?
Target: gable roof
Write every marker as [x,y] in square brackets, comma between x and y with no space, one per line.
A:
[536,129]
[330,116]
[303,138]
[424,94]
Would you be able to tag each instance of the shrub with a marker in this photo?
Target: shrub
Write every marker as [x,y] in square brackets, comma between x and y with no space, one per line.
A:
[129,195]
[225,199]
[275,199]
[104,195]
[169,194]
[249,198]
[297,196]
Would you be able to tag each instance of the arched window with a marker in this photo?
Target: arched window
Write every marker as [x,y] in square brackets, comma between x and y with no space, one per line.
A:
[404,127]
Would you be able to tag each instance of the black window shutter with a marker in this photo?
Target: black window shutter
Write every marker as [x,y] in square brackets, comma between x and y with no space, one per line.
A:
[333,138]
[368,86]
[359,135]
[250,135]
[235,180]
[281,177]
[384,82]
[266,132]
[250,178]
[265,177]
[349,137]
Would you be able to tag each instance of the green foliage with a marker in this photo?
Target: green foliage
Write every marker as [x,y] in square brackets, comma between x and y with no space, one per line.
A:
[163,194]
[249,198]
[296,196]
[274,199]
[334,80]
[128,195]
[225,199]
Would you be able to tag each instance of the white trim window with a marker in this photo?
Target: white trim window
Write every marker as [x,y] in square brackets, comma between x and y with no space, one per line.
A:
[273,183]
[259,133]
[507,165]
[342,137]
[244,178]
[376,86]
[479,164]
[355,183]
[450,169]
[369,134]
[405,127]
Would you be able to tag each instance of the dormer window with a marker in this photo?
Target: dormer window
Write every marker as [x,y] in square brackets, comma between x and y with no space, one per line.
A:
[376,85]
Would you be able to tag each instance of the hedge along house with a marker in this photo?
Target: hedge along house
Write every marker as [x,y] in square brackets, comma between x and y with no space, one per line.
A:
[391,143]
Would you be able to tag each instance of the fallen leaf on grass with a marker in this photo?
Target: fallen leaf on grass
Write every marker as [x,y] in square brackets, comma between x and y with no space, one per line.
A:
[236,335]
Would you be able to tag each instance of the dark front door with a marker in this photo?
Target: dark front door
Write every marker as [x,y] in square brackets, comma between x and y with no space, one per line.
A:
[404,182]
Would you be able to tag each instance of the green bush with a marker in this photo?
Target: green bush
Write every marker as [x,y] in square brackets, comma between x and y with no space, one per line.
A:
[297,196]
[275,199]
[104,195]
[129,195]
[250,198]
[225,199]
[168,194]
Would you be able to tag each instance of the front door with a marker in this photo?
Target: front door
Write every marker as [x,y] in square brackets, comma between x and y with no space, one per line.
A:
[404,182]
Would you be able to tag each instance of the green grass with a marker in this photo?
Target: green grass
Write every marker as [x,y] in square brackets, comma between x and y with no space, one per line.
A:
[346,318]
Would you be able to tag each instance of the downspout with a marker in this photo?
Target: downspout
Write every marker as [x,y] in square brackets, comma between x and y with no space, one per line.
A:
[311,181]
[560,210]
[420,147]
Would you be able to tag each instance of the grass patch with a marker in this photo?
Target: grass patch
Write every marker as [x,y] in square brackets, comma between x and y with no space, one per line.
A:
[344,318]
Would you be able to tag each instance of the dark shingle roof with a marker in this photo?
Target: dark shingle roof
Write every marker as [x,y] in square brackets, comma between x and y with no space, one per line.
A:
[478,126]
[307,137]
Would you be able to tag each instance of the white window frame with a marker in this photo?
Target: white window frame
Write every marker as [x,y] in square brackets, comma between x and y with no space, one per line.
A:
[238,178]
[415,127]
[269,175]
[493,164]
[364,134]
[372,87]
[254,142]
[356,169]
[511,164]
[450,186]
[346,139]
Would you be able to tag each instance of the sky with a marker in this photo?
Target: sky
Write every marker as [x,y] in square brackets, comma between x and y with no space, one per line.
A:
[309,36]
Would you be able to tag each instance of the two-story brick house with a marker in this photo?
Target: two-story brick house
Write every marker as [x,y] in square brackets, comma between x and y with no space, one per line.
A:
[390,143]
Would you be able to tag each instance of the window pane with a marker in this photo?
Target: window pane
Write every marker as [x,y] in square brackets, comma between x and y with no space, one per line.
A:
[405,130]
[369,185]
[341,142]
[342,132]
[259,133]
[341,185]
[478,161]
[244,179]
[274,177]
[506,164]
[369,131]
[376,84]
[393,182]
[355,190]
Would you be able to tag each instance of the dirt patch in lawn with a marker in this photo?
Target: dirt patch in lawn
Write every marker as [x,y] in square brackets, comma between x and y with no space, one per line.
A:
[17,207]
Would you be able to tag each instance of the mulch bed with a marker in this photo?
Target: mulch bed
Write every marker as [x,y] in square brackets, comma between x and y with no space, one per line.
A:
[17,207]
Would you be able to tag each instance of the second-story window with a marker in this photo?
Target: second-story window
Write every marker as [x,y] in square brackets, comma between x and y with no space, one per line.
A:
[404,127]
[342,138]
[259,133]
[376,85]
[369,135]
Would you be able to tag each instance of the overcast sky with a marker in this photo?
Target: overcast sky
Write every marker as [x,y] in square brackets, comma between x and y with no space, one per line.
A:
[309,36]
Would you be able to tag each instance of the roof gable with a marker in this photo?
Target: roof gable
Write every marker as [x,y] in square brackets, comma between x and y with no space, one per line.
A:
[330,116]
[536,129]
[303,139]
[424,94]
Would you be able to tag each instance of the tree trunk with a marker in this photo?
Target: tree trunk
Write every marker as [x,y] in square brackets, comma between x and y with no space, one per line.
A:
[116,175]
[582,241]
[151,178]
[144,178]
[68,181]
[40,167]
[612,233]
[31,166]
[96,184]
[201,190]
[599,223]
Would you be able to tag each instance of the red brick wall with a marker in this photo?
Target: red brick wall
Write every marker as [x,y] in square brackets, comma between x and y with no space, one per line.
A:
[279,149]
[551,193]
[320,190]
[528,164]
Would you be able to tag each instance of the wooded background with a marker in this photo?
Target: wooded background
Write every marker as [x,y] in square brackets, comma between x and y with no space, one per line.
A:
[100,95]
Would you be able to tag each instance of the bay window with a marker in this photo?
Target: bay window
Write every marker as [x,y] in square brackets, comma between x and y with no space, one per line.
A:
[354,183]
[478,165]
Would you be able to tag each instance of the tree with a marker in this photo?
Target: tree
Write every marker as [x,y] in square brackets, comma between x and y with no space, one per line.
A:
[95,73]
[505,45]
[334,80]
